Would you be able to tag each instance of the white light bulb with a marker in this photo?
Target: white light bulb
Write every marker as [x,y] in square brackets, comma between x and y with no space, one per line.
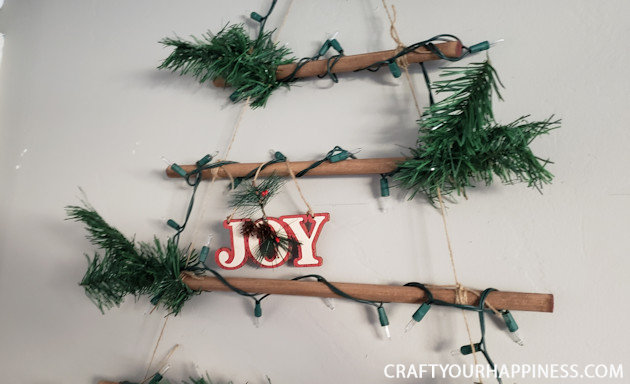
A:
[163,370]
[330,303]
[456,352]
[410,325]
[257,322]
[384,203]
[496,42]
[516,337]
[387,334]
[167,161]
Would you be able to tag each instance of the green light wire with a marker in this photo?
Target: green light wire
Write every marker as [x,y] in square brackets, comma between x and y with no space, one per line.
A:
[335,151]
[479,308]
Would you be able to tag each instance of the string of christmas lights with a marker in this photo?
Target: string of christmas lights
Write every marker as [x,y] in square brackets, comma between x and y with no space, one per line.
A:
[250,66]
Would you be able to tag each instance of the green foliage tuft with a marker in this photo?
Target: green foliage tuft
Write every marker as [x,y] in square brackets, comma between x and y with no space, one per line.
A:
[270,246]
[249,66]
[127,268]
[461,144]
[251,197]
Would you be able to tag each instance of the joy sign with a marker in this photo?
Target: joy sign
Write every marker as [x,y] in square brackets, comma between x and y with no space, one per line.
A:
[303,228]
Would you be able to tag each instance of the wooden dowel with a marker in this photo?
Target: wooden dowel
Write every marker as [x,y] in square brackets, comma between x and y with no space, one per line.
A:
[345,167]
[354,62]
[537,302]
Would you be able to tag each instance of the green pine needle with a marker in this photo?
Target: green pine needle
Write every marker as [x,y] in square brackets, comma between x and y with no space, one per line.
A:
[126,268]
[202,380]
[269,247]
[251,197]
[460,144]
[249,66]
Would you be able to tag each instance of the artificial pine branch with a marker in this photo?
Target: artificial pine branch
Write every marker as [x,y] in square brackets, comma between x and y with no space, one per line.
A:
[126,268]
[249,66]
[460,143]
[253,197]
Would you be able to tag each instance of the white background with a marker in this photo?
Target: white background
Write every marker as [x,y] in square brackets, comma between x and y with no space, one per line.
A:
[82,104]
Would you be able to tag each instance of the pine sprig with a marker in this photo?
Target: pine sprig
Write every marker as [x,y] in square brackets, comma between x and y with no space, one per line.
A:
[125,268]
[270,241]
[248,65]
[252,197]
[460,143]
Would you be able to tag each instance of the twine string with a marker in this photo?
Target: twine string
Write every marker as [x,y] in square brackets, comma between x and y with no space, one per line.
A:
[146,375]
[214,177]
[460,291]
[309,211]
[401,61]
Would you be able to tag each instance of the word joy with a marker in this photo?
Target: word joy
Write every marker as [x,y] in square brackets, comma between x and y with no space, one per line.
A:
[304,228]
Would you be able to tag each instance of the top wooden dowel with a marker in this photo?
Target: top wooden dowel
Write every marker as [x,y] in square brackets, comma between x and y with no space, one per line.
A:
[345,167]
[354,62]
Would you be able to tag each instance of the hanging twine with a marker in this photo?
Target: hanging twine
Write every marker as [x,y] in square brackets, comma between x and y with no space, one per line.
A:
[214,177]
[146,375]
[309,211]
[460,290]
[460,293]
[401,61]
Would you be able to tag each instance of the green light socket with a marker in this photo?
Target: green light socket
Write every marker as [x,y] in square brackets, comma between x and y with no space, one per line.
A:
[382,317]
[509,321]
[156,378]
[384,187]
[325,47]
[258,310]
[467,349]
[336,46]
[204,160]
[256,16]
[173,224]
[179,170]
[203,255]
[339,156]
[278,156]
[421,312]
[484,45]
[394,69]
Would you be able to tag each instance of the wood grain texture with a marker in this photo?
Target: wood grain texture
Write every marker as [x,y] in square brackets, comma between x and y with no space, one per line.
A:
[536,302]
[345,167]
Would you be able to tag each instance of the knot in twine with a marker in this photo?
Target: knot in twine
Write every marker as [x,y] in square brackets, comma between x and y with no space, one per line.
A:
[393,32]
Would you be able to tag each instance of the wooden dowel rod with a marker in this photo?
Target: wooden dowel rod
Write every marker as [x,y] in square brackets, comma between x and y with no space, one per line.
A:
[537,302]
[345,167]
[354,62]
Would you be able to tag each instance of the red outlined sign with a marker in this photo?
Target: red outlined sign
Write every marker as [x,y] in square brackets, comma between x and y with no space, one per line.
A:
[304,228]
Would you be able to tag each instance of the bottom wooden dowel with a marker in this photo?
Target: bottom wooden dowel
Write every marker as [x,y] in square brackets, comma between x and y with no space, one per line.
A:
[537,302]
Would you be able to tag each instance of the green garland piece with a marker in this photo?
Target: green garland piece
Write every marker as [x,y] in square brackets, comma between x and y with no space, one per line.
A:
[127,268]
[460,143]
[252,197]
[249,66]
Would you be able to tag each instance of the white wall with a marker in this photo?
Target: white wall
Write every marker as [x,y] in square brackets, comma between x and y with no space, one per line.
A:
[83,105]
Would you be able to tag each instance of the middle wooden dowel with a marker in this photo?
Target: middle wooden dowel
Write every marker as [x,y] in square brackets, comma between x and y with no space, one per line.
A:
[345,167]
